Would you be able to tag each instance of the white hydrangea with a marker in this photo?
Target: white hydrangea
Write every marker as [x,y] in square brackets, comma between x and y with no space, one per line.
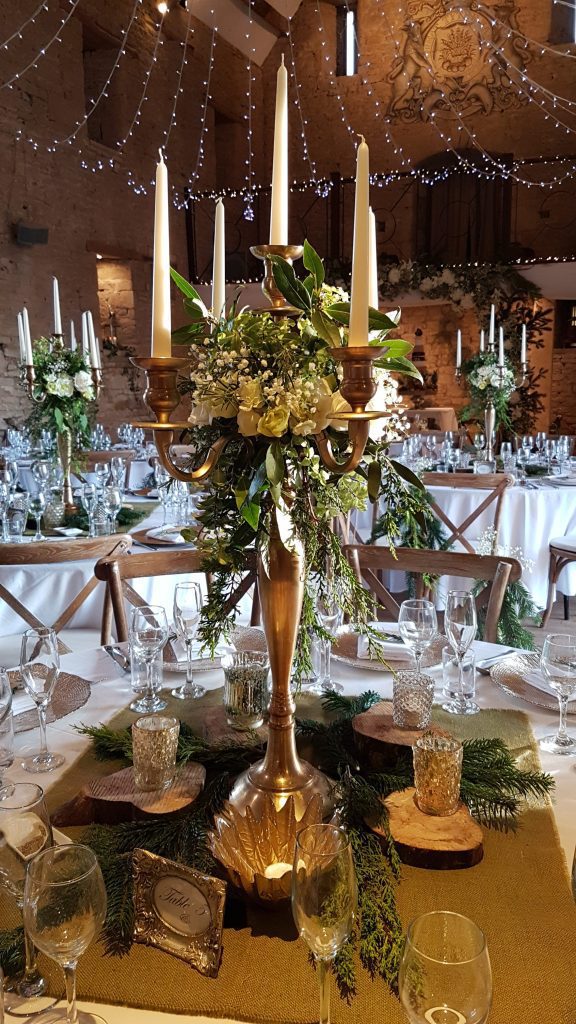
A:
[61,385]
[83,384]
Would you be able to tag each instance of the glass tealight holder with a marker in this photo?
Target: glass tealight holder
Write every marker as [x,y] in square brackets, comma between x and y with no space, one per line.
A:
[437,773]
[412,696]
[245,688]
[147,701]
[459,699]
[154,746]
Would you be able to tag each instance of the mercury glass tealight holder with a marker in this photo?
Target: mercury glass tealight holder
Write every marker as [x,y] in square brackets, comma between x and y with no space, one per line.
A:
[437,773]
[412,696]
[154,746]
[245,688]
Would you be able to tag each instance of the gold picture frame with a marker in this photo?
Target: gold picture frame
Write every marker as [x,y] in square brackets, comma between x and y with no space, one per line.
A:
[179,910]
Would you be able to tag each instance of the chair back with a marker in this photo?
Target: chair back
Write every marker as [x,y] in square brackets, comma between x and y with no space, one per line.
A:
[117,570]
[53,552]
[495,485]
[368,560]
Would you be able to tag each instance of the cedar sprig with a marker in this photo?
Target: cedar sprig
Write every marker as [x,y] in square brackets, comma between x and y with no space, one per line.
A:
[110,744]
[12,951]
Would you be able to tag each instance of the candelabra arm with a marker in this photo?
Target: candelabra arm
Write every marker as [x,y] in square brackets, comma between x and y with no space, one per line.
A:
[163,439]
[358,432]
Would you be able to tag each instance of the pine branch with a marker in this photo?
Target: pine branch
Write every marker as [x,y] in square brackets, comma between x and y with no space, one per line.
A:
[12,951]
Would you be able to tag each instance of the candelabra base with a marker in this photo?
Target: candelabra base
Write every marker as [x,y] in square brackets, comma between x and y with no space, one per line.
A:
[254,789]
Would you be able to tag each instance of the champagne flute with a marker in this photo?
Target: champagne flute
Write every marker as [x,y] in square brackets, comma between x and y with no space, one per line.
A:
[460,625]
[558,665]
[6,729]
[24,831]
[445,975]
[37,507]
[418,626]
[4,504]
[187,610]
[324,896]
[40,667]
[148,635]
[113,501]
[89,498]
[64,910]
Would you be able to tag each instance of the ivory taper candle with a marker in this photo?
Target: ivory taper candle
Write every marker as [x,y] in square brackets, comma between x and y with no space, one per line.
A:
[219,262]
[27,338]
[279,207]
[373,270]
[161,314]
[359,291]
[56,299]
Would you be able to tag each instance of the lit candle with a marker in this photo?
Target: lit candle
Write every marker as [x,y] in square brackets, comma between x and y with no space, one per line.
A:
[492,328]
[56,297]
[85,339]
[279,208]
[21,341]
[277,870]
[458,349]
[219,262]
[27,338]
[523,348]
[500,346]
[361,251]
[161,314]
[93,342]
[482,340]
[373,269]
[73,342]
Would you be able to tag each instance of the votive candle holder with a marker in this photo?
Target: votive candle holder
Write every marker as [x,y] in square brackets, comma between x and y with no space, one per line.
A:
[437,773]
[154,747]
[412,696]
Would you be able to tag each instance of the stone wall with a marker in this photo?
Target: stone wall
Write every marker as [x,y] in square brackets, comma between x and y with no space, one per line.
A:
[564,389]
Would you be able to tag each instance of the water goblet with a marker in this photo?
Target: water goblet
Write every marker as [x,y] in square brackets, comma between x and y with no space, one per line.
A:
[148,636]
[558,666]
[324,896]
[40,667]
[445,975]
[187,610]
[41,472]
[541,440]
[118,472]
[24,831]
[460,624]
[10,474]
[417,625]
[89,499]
[113,502]
[506,450]
[64,910]
[528,444]
[37,508]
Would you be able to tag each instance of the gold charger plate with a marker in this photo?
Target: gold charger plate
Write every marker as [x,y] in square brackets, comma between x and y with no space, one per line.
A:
[345,650]
[509,674]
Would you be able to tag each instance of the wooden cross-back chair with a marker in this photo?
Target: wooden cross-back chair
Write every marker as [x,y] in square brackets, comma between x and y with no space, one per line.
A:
[495,484]
[368,560]
[117,571]
[56,552]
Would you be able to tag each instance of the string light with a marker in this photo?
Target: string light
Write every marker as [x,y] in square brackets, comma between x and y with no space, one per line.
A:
[44,50]
[298,102]
[179,89]
[29,21]
[249,195]
[180,203]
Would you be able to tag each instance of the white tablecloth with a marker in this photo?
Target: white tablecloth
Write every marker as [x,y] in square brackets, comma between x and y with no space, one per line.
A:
[112,692]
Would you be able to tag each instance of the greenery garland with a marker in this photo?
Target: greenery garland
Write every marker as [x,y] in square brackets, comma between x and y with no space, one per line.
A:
[492,787]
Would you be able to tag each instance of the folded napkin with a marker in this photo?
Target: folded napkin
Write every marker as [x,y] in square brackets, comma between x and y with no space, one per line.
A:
[393,648]
[69,531]
[166,535]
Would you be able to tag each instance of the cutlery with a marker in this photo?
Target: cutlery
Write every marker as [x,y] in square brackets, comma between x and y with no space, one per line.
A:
[118,656]
[485,665]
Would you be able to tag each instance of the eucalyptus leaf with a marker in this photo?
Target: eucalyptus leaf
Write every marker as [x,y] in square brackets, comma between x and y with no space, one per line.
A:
[325,329]
[275,466]
[313,263]
[292,289]
[374,480]
[185,287]
[407,474]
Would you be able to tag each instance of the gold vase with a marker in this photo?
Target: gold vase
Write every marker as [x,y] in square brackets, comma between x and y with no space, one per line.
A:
[65,455]
[282,773]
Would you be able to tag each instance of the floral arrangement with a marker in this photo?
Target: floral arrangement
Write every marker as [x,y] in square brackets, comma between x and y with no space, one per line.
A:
[63,390]
[271,386]
[485,379]
[465,286]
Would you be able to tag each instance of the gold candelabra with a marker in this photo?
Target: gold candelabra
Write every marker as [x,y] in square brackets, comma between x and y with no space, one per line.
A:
[489,408]
[282,773]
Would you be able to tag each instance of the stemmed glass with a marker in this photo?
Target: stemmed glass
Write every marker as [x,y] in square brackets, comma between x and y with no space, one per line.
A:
[37,508]
[6,729]
[330,616]
[445,974]
[187,609]
[324,896]
[25,831]
[113,502]
[102,472]
[118,472]
[64,910]
[558,665]
[460,625]
[4,504]
[418,625]
[148,636]
[89,499]
[39,667]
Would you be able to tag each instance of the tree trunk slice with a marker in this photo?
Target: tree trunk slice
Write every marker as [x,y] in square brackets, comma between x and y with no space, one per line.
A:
[380,740]
[215,730]
[429,841]
[114,798]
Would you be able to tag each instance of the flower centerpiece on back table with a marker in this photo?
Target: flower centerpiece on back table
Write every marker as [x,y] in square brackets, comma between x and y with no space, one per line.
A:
[485,381]
[272,386]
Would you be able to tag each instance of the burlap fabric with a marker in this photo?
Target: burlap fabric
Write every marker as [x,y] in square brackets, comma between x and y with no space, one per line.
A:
[519,895]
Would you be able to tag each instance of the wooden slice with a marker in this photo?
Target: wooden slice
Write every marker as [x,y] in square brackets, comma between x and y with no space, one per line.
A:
[215,730]
[380,740]
[428,841]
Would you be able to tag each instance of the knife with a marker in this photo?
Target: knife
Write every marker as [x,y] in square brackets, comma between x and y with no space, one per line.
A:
[118,656]
[486,664]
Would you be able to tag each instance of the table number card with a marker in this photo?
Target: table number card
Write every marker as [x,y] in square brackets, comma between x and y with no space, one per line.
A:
[179,910]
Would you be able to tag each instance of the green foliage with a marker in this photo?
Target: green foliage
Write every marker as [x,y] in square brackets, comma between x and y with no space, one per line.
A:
[12,951]
[516,606]
[66,397]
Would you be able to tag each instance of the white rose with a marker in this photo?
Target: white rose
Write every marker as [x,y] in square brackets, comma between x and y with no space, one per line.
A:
[83,383]
[447,276]
[62,386]
[426,284]
[394,275]
[200,415]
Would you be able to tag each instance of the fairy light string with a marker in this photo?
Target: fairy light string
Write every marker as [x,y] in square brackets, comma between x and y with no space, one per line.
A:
[44,49]
[19,32]
[181,202]
[179,86]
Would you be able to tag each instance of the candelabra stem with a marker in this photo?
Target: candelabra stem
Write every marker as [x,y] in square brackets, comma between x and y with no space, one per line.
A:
[489,425]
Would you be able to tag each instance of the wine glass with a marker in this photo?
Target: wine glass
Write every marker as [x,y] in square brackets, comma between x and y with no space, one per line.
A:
[102,472]
[37,507]
[148,636]
[187,609]
[113,502]
[4,505]
[118,472]
[445,975]
[89,499]
[479,442]
[64,910]
[460,625]
[558,665]
[39,667]
[418,626]
[24,831]
[6,728]
[324,896]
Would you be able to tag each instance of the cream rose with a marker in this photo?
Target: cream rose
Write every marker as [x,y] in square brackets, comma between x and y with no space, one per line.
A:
[250,394]
[274,423]
[248,421]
